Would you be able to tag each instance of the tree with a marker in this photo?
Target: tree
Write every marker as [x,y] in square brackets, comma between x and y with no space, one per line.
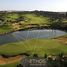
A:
[19,65]
[35,55]
[21,18]
[55,23]
[45,56]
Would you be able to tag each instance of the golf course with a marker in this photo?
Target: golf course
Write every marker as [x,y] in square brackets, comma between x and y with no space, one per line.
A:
[24,33]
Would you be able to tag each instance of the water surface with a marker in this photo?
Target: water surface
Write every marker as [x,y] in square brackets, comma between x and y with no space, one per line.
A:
[29,34]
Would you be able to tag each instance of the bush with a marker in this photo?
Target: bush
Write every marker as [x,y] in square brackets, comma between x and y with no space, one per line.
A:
[35,55]
[26,54]
[45,56]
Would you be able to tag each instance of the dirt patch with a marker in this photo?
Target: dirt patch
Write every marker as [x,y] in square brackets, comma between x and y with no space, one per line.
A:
[10,60]
[62,39]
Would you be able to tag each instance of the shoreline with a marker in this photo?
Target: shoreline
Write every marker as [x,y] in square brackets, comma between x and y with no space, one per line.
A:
[33,28]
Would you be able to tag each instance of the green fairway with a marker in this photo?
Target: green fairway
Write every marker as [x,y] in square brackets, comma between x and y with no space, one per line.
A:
[39,46]
[15,21]
[34,19]
[5,29]
[10,65]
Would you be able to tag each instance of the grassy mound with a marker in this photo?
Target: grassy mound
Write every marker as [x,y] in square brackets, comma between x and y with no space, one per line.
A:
[34,19]
[39,46]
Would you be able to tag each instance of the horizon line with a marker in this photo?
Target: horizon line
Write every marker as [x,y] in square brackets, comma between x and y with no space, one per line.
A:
[32,10]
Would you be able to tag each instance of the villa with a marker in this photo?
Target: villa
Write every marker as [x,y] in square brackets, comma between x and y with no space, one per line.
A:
[33,62]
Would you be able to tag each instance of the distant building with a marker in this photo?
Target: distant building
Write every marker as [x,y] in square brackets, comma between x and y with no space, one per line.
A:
[64,13]
[34,62]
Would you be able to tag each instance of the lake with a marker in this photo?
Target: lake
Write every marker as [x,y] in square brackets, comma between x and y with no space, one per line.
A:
[29,34]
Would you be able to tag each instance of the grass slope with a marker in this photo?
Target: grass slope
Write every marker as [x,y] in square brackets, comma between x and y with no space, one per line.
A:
[34,19]
[29,19]
[5,29]
[10,65]
[39,46]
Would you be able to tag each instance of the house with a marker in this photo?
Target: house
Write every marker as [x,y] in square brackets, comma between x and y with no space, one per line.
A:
[33,62]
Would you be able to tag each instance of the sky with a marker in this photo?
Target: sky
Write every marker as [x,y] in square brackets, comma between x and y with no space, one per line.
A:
[29,5]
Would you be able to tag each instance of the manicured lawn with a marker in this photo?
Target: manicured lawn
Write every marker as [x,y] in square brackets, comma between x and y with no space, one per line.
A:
[29,19]
[33,19]
[10,65]
[5,29]
[16,21]
[39,46]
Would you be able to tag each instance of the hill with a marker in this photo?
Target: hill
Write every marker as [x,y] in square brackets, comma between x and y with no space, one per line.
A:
[12,21]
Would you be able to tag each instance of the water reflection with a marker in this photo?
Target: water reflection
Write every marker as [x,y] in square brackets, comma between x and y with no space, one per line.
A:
[29,34]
